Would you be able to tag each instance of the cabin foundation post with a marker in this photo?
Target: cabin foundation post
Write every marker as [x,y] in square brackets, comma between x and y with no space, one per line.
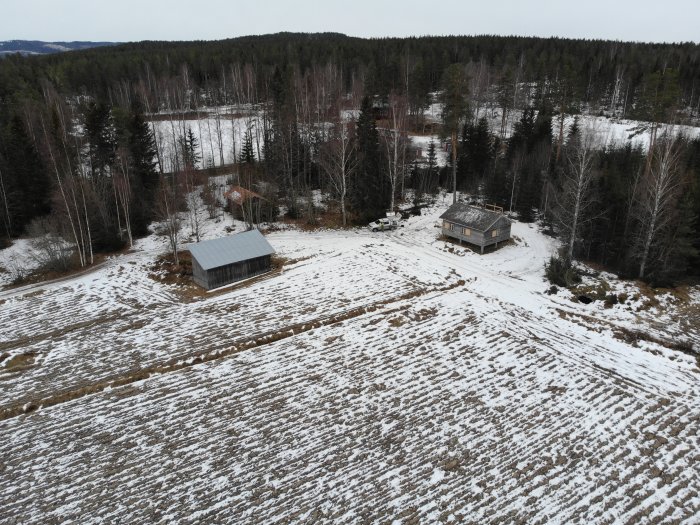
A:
[482,249]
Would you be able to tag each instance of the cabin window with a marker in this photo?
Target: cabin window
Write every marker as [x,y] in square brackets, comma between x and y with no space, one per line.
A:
[448,225]
[495,233]
[467,232]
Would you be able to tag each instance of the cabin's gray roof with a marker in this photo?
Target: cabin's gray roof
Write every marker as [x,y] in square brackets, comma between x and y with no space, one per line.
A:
[230,250]
[478,219]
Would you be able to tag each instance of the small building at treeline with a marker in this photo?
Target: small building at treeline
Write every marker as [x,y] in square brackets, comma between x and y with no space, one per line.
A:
[223,261]
[479,226]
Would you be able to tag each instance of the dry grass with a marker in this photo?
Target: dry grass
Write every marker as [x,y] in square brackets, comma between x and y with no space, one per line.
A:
[19,362]
[324,220]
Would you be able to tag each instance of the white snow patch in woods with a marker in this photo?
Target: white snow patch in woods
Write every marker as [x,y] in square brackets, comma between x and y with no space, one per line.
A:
[15,260]
[222,136]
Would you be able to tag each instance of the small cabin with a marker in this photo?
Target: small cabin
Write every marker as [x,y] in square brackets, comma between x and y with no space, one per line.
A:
[223,261]
[248,206]
[479,226]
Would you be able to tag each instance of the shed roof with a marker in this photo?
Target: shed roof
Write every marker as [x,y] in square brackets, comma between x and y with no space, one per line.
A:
[230,250]
[479,219]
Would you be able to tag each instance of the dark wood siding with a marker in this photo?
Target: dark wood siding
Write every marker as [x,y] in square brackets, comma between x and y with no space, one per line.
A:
[231,273]
[198,274]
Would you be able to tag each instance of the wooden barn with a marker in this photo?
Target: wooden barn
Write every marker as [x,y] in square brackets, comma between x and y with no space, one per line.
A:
[476,225]
[229,259]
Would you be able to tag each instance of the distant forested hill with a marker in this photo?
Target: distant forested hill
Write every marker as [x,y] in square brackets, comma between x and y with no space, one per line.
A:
[39,47]
[598,73]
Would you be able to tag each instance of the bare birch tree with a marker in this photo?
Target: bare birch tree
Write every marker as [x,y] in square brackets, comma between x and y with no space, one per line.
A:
[7,220]
[574,201]
[193,181]
[167,211]
[122,190]
[660,190]
[395,142]
[338,161]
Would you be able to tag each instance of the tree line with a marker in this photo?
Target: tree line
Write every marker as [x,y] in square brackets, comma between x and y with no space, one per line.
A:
[334,113]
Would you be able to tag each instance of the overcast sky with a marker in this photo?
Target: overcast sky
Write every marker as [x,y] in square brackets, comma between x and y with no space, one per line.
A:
[132,20]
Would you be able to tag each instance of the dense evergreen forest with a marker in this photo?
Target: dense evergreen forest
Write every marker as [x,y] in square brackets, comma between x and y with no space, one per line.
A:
[79,158]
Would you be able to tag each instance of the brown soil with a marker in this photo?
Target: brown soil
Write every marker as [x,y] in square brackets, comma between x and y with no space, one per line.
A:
[18,362]
[249,343]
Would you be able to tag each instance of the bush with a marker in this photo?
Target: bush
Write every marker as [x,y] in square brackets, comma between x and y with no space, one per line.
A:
[49,249]
[561,272]
[611,300]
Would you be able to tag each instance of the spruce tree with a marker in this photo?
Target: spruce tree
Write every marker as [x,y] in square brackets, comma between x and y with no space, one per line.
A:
[432,168]
[26,182]
[142,157]
[247,155]
[190,146]
[368,194]
[101,137]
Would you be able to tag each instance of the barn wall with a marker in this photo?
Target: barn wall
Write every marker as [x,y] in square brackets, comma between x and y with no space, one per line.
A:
[231,273]
[198,274]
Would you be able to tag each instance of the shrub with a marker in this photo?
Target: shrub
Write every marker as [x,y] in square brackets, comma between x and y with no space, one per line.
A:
[561,272]
[49,249]
[611,300]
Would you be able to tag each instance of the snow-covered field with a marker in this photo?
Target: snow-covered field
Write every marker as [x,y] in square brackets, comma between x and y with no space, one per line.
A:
[222,137]
[379,377]
[217,137]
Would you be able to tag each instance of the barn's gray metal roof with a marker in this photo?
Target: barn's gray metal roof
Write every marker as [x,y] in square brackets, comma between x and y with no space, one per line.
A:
[478,219]
[230,250]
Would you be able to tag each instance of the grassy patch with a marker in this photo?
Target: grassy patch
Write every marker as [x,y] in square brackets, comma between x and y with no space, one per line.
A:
[598,291]
[19,362]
